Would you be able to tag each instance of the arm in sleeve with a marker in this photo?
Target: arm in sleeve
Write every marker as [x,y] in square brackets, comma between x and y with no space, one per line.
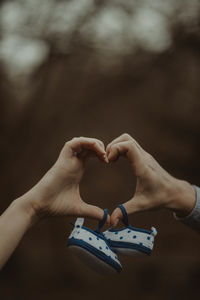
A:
[193,219]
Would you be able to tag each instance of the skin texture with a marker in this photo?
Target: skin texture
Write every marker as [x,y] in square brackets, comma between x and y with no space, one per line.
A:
[155,188]
[58,191]
[56,194]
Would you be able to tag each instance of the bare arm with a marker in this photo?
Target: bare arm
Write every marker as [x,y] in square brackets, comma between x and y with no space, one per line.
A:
[14,222]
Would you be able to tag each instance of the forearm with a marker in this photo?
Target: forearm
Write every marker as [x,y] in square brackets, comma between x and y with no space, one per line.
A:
[14,223]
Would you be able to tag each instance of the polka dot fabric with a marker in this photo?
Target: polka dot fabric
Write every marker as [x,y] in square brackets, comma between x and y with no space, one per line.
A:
[130,240]
[95,243]
[98,249]
[82,234]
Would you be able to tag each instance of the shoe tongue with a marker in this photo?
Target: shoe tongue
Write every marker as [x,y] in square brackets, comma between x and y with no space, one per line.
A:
[79,222]
[154,231]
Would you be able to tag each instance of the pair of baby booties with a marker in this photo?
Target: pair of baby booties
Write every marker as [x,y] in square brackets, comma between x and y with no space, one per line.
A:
[99,249]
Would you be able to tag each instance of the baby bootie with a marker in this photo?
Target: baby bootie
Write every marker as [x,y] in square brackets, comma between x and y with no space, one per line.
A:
[93,248]
[130,240]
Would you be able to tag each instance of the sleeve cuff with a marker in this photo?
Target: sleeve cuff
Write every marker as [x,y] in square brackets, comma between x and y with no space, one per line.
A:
[193,219]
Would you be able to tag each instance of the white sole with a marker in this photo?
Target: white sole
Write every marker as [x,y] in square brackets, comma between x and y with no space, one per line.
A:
[92,261]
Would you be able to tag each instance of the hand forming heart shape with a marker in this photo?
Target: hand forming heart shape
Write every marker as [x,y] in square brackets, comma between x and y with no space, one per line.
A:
[58,191]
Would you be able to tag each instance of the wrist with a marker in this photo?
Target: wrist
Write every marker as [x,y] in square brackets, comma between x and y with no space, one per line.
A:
[182,197]
[24,207]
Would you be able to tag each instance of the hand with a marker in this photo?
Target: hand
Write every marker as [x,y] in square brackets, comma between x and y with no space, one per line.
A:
[155,188]
[57,193]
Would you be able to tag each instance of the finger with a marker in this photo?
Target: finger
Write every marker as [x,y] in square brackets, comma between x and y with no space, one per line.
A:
[122,138]
[76,141]
[128,149]
[87,154]
[101,144]
[77,145]
[131,206]
[116,216]
[93,212]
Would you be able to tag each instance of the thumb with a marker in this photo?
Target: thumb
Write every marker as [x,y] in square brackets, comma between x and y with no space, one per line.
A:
[93,212]
[131,207]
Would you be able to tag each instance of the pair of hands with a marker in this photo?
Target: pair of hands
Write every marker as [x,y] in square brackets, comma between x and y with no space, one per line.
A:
[57,193]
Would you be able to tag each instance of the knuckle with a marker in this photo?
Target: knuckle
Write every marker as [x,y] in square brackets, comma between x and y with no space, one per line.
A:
[67,144]
[126,136]
[101,143]
[72,141]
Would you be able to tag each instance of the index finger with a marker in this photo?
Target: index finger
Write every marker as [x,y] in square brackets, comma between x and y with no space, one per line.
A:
[130,150]
[123,138]
[77,145]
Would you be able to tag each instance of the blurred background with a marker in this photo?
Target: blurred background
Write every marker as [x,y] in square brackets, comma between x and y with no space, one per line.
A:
[99,69]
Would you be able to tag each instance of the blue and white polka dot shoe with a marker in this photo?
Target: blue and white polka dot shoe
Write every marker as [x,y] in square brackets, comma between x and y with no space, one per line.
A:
[93,248]
[130,240]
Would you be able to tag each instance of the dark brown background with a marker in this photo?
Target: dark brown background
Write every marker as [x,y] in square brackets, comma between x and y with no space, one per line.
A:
[155,98]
